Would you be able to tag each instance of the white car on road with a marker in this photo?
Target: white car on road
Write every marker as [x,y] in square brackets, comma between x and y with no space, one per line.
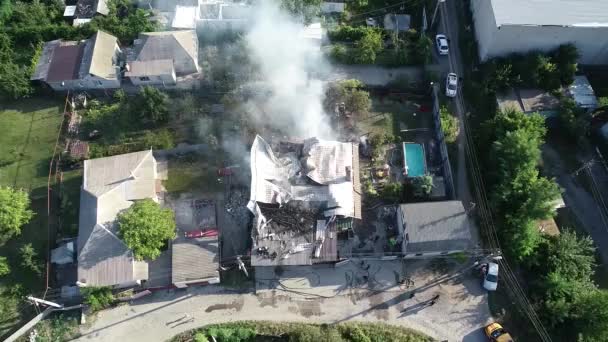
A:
[451,85]
[490,281]
[441,42]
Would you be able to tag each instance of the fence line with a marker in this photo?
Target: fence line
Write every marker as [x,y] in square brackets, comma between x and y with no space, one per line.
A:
[445,160]
[48,189]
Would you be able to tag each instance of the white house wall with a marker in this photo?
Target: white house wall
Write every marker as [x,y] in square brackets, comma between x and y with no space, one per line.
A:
[592,42]
[159,80]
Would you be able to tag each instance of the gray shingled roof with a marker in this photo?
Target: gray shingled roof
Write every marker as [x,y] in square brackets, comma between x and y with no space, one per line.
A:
[99,58]
[109,186]
[45,59]
[150,68]
[179,46]
[194,259]
[590,13]
[436,226]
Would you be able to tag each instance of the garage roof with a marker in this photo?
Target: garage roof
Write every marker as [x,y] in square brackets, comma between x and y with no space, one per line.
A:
[585,13]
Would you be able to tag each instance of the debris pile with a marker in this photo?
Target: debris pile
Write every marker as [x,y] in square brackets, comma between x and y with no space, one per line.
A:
[236,207]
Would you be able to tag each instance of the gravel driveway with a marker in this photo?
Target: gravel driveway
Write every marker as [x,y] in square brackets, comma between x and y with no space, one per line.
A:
[457,315]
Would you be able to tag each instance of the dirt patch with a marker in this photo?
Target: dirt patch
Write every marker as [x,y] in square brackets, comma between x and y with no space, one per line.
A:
[310,308]
[379,306]
[272,299]
[235,304]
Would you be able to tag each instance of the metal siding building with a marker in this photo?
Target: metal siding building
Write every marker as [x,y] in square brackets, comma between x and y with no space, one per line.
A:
[508,26]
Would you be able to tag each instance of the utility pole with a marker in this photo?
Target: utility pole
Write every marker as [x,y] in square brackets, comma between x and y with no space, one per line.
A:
[435,12]
[45,302]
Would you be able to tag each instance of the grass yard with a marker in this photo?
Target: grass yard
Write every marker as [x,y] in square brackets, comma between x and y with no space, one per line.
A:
[193,173]
[391,116]
[296,332]
[29,131]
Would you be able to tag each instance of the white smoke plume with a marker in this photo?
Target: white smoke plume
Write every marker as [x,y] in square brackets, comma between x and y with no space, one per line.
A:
[287,61]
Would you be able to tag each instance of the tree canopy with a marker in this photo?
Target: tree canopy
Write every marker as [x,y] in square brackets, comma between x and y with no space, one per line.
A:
[146,227]
[449,125]
[152,104]
[124,20]
[14,212]
[4,266]
[351,93]
[520,195]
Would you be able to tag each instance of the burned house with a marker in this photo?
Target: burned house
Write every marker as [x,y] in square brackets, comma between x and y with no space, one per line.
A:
[303,195]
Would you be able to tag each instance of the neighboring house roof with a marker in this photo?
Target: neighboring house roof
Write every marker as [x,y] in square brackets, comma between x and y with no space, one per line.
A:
[179,46]
[194,259]
[89,8]
[586,13]
[100,56]
[397,22]
[65,63]
[436,226]
[216,11]
[185,17]
[110,185]
[150,68]
[44,61]
[582,93]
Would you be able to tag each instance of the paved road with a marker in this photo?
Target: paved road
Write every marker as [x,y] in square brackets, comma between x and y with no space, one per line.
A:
[457,316]
[581,203]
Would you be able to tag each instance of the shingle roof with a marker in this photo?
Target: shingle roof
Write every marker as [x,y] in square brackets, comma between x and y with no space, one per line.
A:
[44,62]
[100,60]
[150,68]
[590,13]
[65,63]
[179,46]
[194,259]
[436,226]
[109,186]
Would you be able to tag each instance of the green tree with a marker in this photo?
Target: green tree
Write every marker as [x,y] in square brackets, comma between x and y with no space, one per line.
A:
[152,104]
[4,266]
[565,57]
[124,20]
[229,334]
[423,185]
[392,192]
[29,258]
[572,119]
[351,93]
[14,212]
[305,9]
[591,316]
[97,298]
[146,227]
[449,125]
[368,47]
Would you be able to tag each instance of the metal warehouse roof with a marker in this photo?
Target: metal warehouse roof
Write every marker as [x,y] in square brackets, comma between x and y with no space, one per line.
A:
[586,13]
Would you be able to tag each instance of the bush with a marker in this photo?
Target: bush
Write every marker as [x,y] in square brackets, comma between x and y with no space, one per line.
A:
[311,333]
[392,192]
[29,258]
[229,334]
[345,33]
[200,337]
[340,54]
[97,298]
[449,125]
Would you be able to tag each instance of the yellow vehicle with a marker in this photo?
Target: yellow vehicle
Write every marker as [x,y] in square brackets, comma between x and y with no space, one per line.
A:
[496,333]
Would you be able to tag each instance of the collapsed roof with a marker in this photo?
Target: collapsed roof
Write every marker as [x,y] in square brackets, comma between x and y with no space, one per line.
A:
[298,193]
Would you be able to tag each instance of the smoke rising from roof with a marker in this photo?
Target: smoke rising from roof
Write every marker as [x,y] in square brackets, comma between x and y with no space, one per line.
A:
[292,101]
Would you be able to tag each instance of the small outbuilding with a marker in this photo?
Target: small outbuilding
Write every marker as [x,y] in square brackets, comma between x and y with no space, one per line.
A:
[434,228]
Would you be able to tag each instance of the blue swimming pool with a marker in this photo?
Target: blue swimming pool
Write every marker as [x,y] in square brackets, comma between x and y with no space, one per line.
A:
[413,159]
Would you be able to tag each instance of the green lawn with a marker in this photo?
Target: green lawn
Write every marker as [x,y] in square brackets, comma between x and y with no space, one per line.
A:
[391,116]
[193,173]
[29,131]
